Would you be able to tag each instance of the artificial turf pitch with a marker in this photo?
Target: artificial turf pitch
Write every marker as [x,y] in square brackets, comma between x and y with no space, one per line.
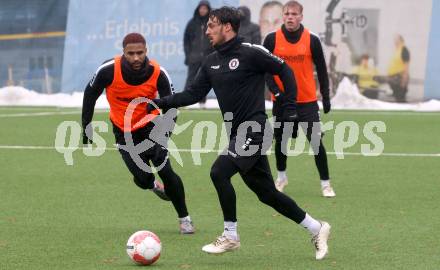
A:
[54,216]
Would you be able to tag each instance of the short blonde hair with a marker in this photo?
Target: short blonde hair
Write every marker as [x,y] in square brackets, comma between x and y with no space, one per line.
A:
[293,3]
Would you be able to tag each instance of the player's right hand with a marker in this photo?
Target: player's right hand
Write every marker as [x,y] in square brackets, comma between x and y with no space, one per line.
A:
[326,105]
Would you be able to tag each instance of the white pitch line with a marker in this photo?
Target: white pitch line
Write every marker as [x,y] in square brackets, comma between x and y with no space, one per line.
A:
[14,108]
[30,147]
[37,114]
[392,113]
[385,113]
[398,113]
[386,154]
[216,111]
[44,114]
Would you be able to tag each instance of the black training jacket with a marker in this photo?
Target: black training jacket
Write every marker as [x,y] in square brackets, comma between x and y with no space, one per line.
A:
[235,71]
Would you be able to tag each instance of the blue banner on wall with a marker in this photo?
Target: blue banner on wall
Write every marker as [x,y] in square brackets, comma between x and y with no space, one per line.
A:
[432,80]
[95,30]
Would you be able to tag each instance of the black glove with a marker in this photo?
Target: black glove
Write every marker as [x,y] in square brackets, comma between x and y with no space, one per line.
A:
[158,102]
[326,104]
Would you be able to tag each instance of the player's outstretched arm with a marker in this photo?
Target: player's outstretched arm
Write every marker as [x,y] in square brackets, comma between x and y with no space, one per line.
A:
[193,94]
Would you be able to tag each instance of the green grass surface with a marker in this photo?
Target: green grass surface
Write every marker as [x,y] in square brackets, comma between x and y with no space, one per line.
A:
[54,216]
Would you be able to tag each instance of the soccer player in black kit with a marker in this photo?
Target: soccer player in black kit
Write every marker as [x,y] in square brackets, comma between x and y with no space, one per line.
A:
[236,73]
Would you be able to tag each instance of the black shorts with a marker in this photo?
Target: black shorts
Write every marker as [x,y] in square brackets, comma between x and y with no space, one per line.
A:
[308,116]
[241,149]
[157,153]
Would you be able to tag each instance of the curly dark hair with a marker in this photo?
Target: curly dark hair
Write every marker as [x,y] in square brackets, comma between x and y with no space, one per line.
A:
[227,15]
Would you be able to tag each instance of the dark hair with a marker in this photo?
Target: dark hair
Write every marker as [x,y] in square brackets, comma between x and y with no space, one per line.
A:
[227,15]
[133,38]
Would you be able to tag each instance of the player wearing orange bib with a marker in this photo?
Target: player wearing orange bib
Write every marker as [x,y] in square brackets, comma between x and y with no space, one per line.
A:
[301,50]
[127,78]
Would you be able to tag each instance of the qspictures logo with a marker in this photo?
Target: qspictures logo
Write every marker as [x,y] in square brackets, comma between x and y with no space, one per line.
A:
[211,137]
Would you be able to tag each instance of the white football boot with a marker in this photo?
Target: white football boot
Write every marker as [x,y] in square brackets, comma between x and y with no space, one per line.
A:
[186,227]
[280,184]
[159,190]
[319,241]
[221,245]
[328,192]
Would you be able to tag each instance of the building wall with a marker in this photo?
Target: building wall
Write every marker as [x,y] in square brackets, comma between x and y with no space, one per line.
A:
[93,31]
[31,47]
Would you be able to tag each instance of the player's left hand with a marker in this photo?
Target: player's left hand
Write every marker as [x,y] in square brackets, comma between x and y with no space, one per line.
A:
[326,105]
